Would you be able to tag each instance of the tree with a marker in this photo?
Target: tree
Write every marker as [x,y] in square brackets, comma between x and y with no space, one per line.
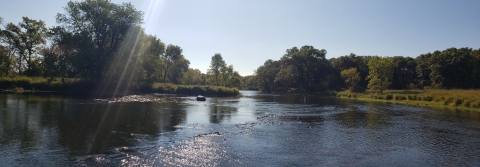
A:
[352,61]
[179,68]
[250,82]
[231,77]
[151,52]
[423,70]
[404,74]
[96,29]
[304,68]
[34,35]
[24,40]
[174,61]
[217,65]
[193,77]
[351,77]
[266,75]
[381,73]
[452,68]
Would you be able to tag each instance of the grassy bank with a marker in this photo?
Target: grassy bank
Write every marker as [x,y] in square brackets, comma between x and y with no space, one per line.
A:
[36,84]
[460,99]
[21,84]
[189,89]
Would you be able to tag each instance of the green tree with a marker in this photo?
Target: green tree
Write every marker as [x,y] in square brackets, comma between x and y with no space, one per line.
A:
[351,77]
[24,40]
[180,67]
[194,77]
[96,29]
[304,68]
[352,61]
[250,82]
[172,58]
[423,70]
[266,74]
[34,35]
[381,73]
[217,65]
[152,50]
[452,68]
[232,78]
[404,74]
[5,61]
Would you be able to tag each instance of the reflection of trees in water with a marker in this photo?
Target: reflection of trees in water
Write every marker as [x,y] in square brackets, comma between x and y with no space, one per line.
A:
[221,110]
[84,128]
[363,114]
[98,128]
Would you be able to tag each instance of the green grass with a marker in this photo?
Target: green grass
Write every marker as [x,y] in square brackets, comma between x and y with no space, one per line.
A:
[189,89]
[21,84]
[456,98]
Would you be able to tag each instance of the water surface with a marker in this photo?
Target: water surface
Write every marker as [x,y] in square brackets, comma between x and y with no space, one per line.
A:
[250,130]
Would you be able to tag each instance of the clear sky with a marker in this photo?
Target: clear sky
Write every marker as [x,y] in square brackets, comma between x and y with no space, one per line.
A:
[248,32]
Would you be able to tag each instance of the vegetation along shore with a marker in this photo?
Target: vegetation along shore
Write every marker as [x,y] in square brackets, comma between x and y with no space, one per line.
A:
[452,99]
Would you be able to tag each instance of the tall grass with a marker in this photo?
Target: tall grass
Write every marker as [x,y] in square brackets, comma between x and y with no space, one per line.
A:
[189,89]
[19,83]
[449,98]
[44,84]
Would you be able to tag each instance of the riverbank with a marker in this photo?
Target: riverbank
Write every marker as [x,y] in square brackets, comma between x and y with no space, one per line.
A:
[72,85]
[453,99]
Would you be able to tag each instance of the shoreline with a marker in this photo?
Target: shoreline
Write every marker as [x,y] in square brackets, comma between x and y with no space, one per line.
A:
[436,99]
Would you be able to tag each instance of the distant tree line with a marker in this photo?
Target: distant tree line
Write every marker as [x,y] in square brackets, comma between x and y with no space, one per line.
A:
[307,69]
[101,42]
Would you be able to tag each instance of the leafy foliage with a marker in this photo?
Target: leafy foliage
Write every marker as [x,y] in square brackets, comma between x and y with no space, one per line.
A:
[381,73]
[351,77]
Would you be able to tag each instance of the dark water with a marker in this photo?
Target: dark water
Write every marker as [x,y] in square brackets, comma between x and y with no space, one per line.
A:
[250,130]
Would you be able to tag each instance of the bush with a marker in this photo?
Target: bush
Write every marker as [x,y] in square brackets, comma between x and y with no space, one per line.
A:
[457,102]
[427,98]
[411,97]
[467,103]
[399,97]
[389,97]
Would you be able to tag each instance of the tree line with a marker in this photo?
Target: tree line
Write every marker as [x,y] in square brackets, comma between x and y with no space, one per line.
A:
[101,42]
[308,69]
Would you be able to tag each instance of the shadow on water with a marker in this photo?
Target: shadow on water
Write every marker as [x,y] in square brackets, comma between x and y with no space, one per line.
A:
[32,124]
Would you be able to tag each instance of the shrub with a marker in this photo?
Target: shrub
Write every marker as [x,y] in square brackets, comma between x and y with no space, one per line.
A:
[399,97]
[389,97]
[467,103]
[411,97]
[457,102]
[427,98]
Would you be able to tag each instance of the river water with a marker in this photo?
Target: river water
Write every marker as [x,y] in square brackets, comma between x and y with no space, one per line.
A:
[252,129]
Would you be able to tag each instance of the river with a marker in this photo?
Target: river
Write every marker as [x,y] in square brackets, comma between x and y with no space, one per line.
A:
[252,129]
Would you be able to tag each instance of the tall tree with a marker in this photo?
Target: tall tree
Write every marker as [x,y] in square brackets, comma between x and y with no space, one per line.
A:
[217,65]
[307,66]
[381,73]
[152,50]
[172,56]
[25,38]
[452,68]
[352,61]
[98,27]
[423,70]
[404,74]
[266,75]
[232,78]
[351,77]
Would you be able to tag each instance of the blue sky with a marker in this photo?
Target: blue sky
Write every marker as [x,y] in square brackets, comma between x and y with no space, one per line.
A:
[248,32]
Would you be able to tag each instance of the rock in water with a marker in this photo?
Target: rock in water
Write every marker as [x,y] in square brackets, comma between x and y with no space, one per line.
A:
[201,98]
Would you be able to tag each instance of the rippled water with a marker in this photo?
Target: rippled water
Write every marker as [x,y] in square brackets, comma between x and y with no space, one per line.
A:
[250,130]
